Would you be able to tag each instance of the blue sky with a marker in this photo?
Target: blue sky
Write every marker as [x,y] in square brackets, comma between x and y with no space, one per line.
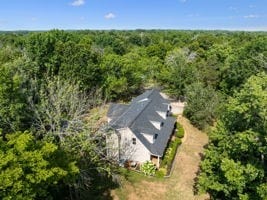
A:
[133,14]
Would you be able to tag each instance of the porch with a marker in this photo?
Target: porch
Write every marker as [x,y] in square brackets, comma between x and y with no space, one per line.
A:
[156,160]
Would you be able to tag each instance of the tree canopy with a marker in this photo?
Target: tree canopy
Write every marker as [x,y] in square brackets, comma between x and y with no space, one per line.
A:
[50,82]
[29,167]
[234,165]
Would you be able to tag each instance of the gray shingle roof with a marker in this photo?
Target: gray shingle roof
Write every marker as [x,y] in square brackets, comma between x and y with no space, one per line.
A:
[130,114]
[138,116]
[116,110]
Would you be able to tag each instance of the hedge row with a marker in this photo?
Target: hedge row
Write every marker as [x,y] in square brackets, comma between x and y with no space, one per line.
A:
[170,153]
[179,131]
[172,148]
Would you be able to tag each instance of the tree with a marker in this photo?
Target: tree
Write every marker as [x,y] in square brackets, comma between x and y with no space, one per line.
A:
[178,72]
[61,108]
[14,109]
[122,75]
[202,104]
[62,117]
[248,108]
[79,62]
[28,168]
[234,166]
[250,59]
[40,48]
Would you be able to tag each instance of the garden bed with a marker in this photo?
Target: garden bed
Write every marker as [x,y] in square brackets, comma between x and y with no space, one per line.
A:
[168,158]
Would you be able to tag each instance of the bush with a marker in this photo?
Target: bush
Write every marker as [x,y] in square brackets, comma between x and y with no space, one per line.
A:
[174,115]
[161,173]
[180,131]
[167,156]
[148,168]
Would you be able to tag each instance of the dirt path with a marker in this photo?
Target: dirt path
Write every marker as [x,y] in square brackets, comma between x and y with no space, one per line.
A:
[181,183]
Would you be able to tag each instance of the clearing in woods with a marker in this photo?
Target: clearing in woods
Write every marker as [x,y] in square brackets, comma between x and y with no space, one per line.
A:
[180,186]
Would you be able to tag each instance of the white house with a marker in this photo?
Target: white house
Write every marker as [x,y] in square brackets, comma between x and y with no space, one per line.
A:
[142,129]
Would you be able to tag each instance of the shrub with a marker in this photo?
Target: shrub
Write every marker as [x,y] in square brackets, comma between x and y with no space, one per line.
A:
[180,131]
[167,156]
[148,168]
[170,153]
[174,115]
[161,173]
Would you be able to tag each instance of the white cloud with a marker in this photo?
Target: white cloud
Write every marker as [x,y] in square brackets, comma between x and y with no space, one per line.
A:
[34,19]
[77,3]
[110,16]
[251,16]
[232,8]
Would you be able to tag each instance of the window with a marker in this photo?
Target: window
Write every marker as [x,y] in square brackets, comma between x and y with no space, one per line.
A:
[167,113]
[155,136]
[169,107]
[134,140]
[161,124]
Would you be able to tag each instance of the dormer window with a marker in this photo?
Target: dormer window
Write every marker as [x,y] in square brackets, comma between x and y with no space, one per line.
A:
[156,124]
[149,137]
[156,136]
[161,124]
[134,141]
[162,114]
[169,107]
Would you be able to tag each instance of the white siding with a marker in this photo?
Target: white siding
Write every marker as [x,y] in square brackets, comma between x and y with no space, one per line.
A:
[136,152]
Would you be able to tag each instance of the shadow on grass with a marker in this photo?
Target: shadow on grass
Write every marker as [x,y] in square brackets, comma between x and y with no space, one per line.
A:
[132,176]
[195,187]
[101,188]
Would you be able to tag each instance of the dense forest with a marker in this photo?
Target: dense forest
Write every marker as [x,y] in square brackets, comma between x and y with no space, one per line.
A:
[49,82]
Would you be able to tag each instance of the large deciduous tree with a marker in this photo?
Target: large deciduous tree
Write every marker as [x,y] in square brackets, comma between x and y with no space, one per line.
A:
[61,116]
[29,168]
[178,72]
[14,109]
[202,104]
[234,165]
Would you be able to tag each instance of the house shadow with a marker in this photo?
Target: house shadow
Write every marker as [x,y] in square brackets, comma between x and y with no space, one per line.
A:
[101,188]
[98,188]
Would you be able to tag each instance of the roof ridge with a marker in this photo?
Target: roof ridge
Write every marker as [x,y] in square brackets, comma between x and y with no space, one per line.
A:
[149,101]
[152,90]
